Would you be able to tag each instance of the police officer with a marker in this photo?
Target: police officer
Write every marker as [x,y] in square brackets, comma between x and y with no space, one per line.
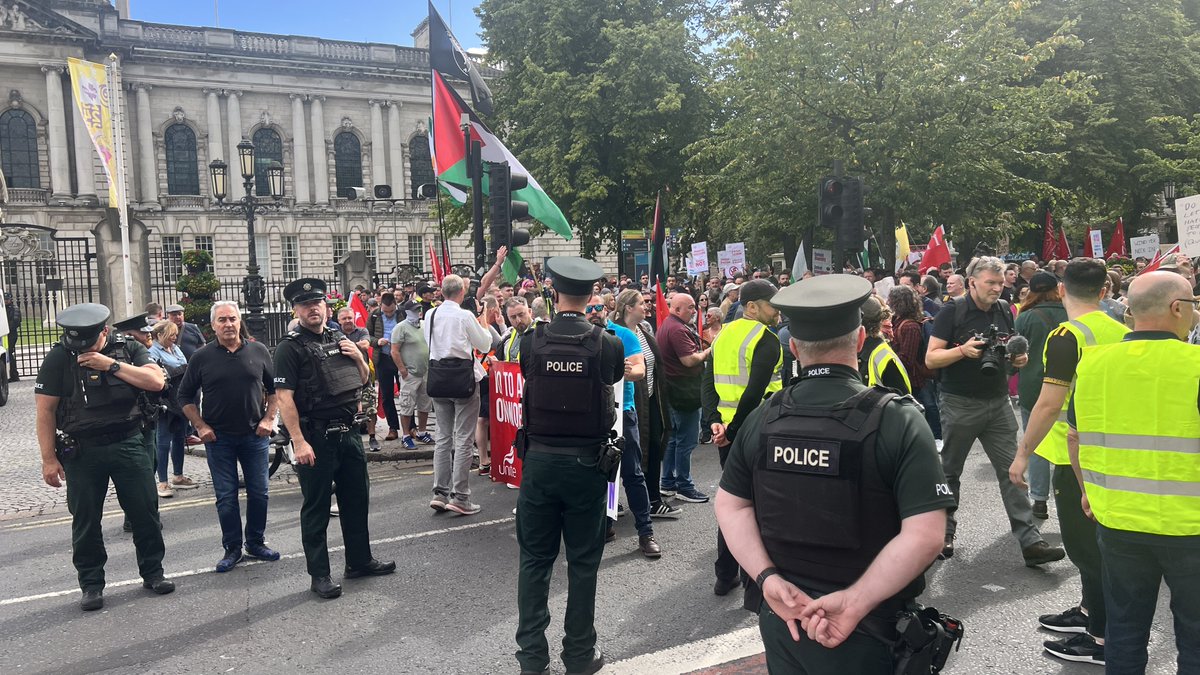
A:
[877,361]
[88,388]
[135,328]
[868,458]
[570,366]
[318,376]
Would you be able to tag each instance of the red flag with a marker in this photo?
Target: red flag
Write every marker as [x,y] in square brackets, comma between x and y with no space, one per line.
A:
[435,265]
[937,251]
[1158,258]
[360,310]
[1049,241]
[658,262]
[1063,251]
[1116,246]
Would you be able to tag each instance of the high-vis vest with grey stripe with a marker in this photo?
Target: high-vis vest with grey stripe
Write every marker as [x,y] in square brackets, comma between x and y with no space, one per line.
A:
[732,351]
[880,357]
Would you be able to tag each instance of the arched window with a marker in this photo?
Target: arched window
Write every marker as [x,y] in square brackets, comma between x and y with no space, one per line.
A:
[347,163]
[183,176]
[19,149]
[268,147]
[420,166]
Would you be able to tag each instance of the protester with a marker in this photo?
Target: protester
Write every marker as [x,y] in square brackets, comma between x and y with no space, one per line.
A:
[361,338]
[410,353]
[190,338]
[877,361]
[380,324]
[172,424]
[491,318]
[683,359]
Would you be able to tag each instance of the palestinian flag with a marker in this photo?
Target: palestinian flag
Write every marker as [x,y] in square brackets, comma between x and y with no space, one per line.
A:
[658,263]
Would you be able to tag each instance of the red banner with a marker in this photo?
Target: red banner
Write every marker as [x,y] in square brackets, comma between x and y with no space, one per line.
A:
[507,382]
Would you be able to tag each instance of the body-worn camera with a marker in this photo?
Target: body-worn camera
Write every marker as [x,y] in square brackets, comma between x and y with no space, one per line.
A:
[994,350]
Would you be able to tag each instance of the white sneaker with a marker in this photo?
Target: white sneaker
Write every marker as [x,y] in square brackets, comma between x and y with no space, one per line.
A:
[465,508]
[938,444]
[165,491]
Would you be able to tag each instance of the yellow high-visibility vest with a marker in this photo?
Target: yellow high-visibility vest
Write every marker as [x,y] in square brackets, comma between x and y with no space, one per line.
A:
[880,357]
[732,352]
[1139,435]
[1091,329]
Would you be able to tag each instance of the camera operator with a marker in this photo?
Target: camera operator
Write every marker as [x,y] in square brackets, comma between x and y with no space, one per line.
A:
[974,399]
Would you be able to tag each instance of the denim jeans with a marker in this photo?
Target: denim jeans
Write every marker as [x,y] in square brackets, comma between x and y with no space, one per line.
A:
[1135,564]
[1039,469]
[632,477]
[677,461]
[224,455]
[171,433]
[928,398]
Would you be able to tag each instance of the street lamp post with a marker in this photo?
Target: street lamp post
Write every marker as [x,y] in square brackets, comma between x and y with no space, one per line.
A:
[254,289]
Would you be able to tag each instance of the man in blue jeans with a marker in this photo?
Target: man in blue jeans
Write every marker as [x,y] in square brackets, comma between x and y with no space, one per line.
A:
[237,381]
[631,458]
[683,364]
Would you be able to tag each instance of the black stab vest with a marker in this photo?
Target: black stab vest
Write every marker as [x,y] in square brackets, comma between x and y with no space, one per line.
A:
[564,395]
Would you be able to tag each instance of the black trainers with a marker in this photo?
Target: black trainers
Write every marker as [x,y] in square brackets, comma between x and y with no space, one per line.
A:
[724,586]
[1071,621]
[1080,648]
[1040,510]
[1041,553]
[948,549]
[665,510]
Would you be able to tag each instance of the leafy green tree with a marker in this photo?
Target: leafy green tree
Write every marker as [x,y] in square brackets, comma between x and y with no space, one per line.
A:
[598,98]
[937,104]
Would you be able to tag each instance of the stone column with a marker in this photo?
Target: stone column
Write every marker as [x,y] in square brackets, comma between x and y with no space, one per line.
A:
[396,150]
[145,141]
[85,167]
[319,154]
[378,150]
[299,151]
[216,140]
[60,169]
[233,114]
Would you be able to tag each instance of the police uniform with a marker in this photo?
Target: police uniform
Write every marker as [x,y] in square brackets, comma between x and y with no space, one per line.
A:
[99,412]
[326,385]
[151,403]
[866,455]
[569,409]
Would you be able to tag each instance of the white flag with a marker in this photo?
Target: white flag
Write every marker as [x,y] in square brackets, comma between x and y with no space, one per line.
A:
[799,265]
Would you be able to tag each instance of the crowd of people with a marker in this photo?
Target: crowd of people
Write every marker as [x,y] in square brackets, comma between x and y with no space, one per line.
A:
[699,357]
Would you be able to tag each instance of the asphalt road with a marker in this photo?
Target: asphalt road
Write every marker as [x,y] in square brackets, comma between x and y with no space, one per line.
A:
[450,607]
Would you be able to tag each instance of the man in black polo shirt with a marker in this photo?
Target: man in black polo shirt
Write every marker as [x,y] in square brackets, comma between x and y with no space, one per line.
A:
[238,386]
[975,405]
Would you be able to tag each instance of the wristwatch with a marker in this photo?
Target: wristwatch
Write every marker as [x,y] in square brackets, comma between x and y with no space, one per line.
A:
[116,365]
[763,575]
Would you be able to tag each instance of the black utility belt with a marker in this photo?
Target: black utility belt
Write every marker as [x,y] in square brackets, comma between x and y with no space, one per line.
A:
[94,440]
[573,451]
[327,427]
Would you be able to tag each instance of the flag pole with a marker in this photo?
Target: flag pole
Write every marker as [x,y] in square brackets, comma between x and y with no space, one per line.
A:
[118,112]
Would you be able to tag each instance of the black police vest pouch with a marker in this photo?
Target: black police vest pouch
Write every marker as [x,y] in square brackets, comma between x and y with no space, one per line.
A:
[100,403]
[334,381]
[823,511]
[564,395]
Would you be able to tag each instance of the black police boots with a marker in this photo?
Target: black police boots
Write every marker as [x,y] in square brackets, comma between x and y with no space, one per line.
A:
[374,568]
[92,600]
[324,587]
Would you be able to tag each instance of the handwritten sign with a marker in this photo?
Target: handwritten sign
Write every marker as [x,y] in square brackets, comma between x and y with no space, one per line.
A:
[700,255]
[725,263]
[822,261]
[1144,247]
[1187,217]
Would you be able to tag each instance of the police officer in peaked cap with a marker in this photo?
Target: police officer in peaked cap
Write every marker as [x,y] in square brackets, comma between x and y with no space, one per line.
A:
[318,376]
[88,388]
[135,328]
[868,457]
[569,410]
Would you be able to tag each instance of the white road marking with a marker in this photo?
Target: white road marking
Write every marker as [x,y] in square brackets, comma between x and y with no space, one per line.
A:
[713,651]
[249,562]
[992,587]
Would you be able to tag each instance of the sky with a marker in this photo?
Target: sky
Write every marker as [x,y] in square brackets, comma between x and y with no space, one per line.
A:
[387,21]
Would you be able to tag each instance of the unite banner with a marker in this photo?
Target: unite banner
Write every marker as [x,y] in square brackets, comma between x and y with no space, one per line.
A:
[89,81]
[507,383]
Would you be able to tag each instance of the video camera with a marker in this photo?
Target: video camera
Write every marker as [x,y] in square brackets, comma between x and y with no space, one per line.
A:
[997,347]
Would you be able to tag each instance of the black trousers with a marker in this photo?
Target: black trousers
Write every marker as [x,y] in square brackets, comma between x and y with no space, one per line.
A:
[12,354]
[389,378]
[652,454]
[340,460]
[1079,539]
[727,567]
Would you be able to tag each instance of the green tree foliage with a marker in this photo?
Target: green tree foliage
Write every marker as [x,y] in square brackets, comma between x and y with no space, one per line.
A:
[598,99]
[937,104]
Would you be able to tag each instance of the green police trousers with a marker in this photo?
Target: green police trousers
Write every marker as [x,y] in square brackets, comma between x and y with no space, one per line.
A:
[131,470]
[859,654]
[561,500]
[340,461]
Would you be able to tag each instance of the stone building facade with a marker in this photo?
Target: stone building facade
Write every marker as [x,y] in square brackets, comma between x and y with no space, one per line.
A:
[335,114]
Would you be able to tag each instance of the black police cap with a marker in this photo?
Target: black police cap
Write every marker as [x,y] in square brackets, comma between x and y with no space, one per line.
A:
[304,290]
[573,275]
[823,307]
[135,323]
[82,324]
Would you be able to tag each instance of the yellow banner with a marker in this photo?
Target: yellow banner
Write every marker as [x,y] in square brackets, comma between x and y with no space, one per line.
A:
[89,82]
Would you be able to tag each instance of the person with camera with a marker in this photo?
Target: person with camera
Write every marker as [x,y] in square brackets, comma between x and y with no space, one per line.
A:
[863,454]
[318,377]
[88,388]
[1087,325]
[974,399]
[569,409]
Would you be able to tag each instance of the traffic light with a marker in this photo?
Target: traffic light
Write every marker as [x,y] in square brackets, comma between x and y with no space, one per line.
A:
[501,184]
[829,202]
[851,232]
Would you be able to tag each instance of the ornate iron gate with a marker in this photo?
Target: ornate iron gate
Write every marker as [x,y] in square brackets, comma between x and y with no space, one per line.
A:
[43,273]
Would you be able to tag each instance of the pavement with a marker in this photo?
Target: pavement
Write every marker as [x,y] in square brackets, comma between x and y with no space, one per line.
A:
[450,608]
